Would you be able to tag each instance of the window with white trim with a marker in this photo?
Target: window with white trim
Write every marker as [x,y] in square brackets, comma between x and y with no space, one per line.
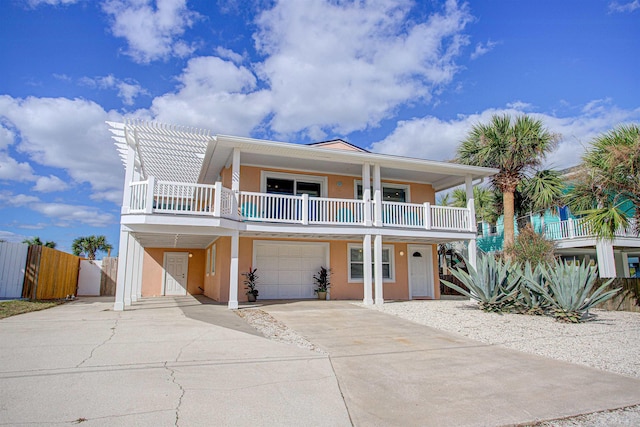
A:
[293,184]
[208,262]
[390,192]
[356,263]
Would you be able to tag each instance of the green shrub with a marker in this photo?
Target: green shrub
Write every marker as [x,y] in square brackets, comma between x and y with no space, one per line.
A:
[531,247]
[567,290]
[494,283]
[529,300]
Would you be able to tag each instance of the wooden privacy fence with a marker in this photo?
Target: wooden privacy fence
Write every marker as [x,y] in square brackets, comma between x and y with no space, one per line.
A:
[108,276]
[50,274]
[628,299]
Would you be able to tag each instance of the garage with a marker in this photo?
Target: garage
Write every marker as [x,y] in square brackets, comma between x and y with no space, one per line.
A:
[286,269]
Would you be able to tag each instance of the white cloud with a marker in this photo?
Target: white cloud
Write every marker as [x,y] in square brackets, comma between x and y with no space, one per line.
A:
[66,134]
[48,184]
[482,49]
[151,28]
[340,67]
[9,236]
[214,94]
[432,138]
[64,215]
[7,137]
[12,170]
[629,7]
[36,3]
[229,54]
[128,90]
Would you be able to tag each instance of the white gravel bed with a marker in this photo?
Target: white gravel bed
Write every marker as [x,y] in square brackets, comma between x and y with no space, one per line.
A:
[273,329]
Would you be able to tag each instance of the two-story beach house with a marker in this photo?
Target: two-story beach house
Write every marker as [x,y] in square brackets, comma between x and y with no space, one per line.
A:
[199,210]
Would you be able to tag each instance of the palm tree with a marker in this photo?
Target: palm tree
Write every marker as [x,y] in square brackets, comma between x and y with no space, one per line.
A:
[36,241]
[89,245]
[543,190]
[515,147]
[607,192]
[483,202]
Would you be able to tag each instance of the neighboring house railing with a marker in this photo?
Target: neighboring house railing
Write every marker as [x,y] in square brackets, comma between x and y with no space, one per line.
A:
[578,228]
[218,201]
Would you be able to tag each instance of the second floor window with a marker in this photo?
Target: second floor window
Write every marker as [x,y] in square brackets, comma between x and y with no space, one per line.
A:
[293,186]
[390,193]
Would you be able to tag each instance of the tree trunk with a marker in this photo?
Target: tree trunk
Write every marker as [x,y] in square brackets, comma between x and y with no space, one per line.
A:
[509,232]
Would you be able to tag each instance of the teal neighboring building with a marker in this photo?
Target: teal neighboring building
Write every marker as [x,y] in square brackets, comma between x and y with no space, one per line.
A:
[575,241]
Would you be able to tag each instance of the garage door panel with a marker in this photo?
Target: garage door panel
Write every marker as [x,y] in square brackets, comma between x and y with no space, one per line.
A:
[289,263]
[268,277]
[290,278]
[286,269]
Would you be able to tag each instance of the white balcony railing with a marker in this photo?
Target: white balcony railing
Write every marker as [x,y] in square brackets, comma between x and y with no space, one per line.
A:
[448,218]
[218,201]
[579,228]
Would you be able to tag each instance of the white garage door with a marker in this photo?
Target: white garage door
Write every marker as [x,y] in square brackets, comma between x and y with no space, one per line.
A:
[286,270]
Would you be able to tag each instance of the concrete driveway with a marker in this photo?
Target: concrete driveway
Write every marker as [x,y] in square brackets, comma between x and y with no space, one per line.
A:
[168,361]
[184,361]
[394,372]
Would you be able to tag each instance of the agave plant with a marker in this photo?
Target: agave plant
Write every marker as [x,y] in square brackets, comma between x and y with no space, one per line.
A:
[494,283]
[529,300]
[568,290]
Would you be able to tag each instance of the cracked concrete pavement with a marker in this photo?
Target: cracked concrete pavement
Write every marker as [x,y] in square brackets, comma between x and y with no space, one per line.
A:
[185,361]
[165,362]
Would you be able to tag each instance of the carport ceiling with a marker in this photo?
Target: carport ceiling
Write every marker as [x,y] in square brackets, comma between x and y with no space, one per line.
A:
[177,241]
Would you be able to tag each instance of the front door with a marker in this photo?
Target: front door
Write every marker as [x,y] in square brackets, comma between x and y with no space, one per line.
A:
[420,271]
[176,265]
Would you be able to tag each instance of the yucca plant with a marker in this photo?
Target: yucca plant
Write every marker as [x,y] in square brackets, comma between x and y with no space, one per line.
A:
[494,283]
[568,290]
[529,300]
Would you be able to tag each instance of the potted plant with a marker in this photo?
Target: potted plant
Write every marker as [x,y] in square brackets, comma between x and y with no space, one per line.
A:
[321,279]
[250,282]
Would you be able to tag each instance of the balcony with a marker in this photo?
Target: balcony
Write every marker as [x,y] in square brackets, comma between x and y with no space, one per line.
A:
[579,229]
[217,201]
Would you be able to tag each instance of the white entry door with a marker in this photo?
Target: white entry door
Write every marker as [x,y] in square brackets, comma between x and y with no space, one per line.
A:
[420,260]
[176,265]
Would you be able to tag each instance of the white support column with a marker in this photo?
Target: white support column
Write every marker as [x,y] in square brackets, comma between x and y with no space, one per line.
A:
[571,229]
[377,195]
[123,246]
[217,199]
[305,209]
[606,260]
[625,264]
[151,185]
[366,194]
[140,265]
[235,180]
[366,266]
[427,215]
[134,270]
[233,272]
[377,265]
[128,178]
[472,246]
[128,278]
[468,186]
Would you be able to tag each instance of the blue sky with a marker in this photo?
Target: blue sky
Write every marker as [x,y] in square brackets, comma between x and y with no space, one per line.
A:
[392,76]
